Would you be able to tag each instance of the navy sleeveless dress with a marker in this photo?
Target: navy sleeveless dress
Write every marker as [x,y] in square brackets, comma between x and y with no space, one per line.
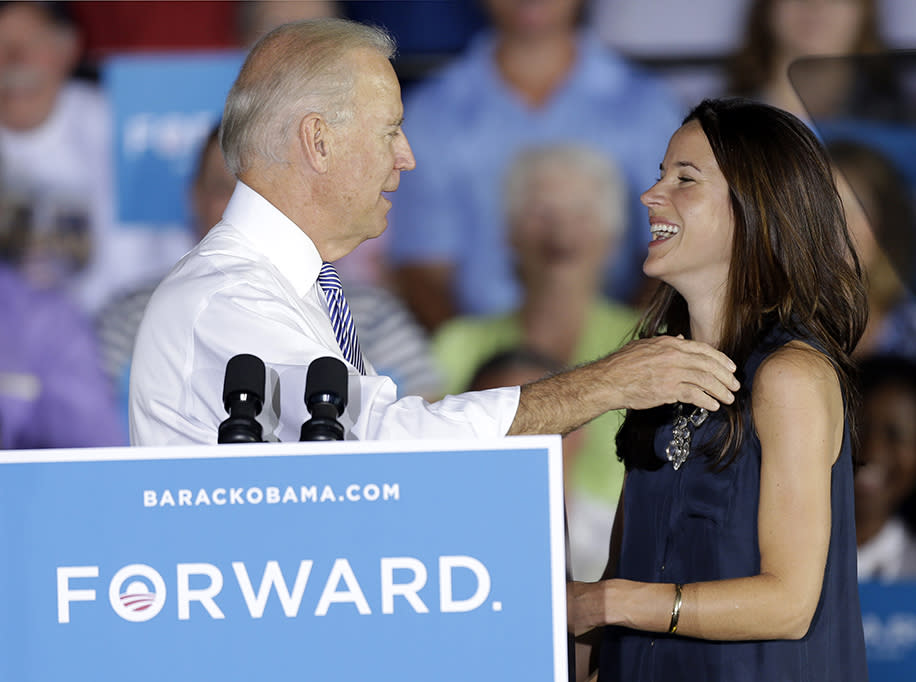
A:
[694,525]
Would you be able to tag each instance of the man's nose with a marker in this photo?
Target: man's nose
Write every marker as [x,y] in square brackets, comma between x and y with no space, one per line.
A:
[405,159]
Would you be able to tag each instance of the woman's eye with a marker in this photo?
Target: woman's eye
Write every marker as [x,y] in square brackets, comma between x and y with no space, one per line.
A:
[684,178]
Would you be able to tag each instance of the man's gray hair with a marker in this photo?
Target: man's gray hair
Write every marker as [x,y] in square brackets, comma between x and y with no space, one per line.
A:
[297,69]
[610,186]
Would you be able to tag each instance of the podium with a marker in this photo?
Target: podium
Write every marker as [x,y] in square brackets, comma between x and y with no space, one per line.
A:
[314,561]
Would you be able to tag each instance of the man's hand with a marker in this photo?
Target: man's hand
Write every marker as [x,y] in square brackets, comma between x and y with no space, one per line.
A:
[642,374]
[667,369]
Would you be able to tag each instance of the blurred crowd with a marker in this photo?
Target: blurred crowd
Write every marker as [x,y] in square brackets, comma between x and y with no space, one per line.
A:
[515,247]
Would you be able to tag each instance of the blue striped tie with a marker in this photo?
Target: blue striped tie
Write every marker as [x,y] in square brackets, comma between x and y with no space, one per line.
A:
[341,319]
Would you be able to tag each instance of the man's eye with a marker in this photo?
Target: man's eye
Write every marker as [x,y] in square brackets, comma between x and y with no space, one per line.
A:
[684,178]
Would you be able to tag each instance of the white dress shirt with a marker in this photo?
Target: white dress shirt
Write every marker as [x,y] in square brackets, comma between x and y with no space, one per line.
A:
[250,287]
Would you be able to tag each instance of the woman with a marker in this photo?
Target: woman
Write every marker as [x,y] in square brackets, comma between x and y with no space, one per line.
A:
[778,32]
[733,555]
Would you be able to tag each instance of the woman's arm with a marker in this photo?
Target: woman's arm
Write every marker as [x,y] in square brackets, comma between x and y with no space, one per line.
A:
[798,413]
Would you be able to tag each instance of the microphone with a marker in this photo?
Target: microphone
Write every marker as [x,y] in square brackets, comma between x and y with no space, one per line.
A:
[325,398]
[243,397]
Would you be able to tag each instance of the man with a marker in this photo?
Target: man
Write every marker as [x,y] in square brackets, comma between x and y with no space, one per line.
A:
[312,131]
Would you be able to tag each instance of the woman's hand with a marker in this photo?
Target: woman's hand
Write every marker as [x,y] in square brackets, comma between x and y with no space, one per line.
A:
[585,606]
[642,606]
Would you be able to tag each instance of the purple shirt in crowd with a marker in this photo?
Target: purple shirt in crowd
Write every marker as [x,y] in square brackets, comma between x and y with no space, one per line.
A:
[53,393]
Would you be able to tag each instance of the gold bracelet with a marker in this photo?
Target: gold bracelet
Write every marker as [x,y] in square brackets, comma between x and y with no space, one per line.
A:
[676,609]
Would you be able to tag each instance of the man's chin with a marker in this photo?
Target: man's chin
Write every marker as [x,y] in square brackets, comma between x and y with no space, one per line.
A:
[378,230]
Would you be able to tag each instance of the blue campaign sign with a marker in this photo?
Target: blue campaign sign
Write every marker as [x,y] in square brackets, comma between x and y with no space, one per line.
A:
[163,106]
[319,561]
[889,620]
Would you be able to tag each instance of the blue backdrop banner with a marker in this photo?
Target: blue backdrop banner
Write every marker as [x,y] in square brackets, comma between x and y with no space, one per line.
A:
[163,106]
[889,619]
[321,561]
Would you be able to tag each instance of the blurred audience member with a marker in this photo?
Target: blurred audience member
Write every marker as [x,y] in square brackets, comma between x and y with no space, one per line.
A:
[533,77]
[55,147]
[777,32]
[564,208]
[53,393]
[882,223]
[885,483]
[254,18]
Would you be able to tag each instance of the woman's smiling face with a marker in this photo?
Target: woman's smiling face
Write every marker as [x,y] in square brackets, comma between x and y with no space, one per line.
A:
[690,216]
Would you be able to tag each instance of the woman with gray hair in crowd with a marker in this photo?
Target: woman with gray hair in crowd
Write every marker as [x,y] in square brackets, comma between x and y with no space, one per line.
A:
[565,214]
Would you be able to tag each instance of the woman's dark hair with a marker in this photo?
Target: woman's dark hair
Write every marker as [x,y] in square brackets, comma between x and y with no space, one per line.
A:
[792,261]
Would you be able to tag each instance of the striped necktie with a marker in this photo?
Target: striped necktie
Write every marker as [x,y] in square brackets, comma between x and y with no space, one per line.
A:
[341,319]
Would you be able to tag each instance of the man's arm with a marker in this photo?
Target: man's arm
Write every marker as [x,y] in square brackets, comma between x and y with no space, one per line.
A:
[642,374]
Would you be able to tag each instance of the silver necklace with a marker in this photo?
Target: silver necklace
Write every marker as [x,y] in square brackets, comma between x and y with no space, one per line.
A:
[678,449]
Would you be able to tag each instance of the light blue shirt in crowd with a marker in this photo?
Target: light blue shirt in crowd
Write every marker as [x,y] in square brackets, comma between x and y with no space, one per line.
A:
[465,126]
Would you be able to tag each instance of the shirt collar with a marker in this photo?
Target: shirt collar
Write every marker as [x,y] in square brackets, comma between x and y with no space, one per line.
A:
[277,237]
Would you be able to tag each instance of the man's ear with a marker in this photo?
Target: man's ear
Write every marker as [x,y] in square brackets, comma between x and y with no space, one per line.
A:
[315,141]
